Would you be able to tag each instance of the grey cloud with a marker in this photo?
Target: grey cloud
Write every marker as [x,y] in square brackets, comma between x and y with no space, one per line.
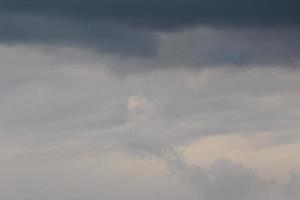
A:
[60,177]
[231,47]
[226,180]
[52,101]
[34,178]
[62,111]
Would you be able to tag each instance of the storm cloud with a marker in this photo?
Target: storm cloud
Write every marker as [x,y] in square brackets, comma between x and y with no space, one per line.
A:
[164,15]
[248,32]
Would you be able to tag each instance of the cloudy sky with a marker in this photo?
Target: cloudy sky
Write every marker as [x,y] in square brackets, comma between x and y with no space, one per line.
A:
[149,99]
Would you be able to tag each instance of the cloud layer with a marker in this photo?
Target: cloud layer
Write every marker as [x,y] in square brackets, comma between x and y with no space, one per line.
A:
[239,32]
[164,15]
[146,112]
[65,112]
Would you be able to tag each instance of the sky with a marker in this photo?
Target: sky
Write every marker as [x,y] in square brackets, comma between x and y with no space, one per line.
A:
[148,99]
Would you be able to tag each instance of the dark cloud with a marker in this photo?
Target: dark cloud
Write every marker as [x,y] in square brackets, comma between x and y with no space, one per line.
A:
[105,37]
[129,27]
[165,14]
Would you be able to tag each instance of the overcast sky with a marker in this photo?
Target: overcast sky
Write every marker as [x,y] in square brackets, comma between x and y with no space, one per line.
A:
[149,99]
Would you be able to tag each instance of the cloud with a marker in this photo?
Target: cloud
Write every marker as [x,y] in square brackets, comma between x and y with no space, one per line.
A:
[100,175]
[104,37]
[169,14]
[242,34]
[244,47]
[100,96]
[225,180]
[65,112]
[50,101]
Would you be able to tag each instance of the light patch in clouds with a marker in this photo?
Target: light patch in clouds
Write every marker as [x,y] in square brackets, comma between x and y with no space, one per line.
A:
[139,108]
[271,154]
